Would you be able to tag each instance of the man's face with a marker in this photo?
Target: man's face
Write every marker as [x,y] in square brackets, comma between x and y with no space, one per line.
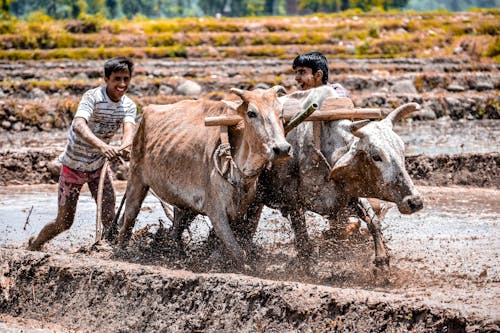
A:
[117,84]
[306,79]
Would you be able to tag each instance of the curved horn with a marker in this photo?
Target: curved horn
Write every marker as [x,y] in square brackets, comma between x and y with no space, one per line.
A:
[402,111]
[356,125]
[280,90]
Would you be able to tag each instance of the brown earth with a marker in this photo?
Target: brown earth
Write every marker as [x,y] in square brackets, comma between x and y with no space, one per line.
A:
[151,287]
[90,294]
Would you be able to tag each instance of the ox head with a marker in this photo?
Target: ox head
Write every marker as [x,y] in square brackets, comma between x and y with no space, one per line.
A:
[261,112]
[375,162]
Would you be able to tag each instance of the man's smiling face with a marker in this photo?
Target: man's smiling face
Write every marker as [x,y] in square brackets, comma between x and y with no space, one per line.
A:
[117,84]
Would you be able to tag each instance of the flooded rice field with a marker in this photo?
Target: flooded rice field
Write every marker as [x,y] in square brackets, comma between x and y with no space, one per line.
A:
[444,257]
[448,252]
[450,137]
[444,272]
[453,220]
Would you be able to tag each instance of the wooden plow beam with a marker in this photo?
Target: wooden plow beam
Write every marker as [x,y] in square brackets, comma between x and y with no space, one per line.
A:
[332,109]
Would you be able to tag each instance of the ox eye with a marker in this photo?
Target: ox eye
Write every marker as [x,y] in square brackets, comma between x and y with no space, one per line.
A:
[377,158]
[251,114]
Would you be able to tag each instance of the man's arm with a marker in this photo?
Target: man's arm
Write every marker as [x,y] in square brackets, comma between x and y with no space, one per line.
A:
[82,129]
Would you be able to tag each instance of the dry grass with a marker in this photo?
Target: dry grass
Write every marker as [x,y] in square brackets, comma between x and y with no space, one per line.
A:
[375,34]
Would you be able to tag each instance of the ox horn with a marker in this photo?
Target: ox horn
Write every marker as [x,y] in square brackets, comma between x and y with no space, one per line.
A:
[280,90]
[356,125]
[402,112]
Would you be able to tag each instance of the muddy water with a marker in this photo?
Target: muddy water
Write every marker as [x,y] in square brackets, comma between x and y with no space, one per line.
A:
[458,230]
[450,137]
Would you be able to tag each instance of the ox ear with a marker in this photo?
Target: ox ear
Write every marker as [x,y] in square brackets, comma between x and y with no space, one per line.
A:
[239,92]
[401,112]
[280,90]
[356,125]
[233,105]
[343,162]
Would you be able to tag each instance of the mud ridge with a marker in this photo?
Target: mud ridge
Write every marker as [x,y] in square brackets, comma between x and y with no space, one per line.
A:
[38,166]
[90,294]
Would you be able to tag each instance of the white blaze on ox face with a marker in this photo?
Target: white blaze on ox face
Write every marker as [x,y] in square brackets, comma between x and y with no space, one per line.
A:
[268,127]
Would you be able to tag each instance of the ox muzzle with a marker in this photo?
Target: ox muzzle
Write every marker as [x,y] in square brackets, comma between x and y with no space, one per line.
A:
[280,151]
[411,204]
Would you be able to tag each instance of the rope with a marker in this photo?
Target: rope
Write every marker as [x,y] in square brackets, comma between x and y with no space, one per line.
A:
[98,220]
[320,154]
[223,153]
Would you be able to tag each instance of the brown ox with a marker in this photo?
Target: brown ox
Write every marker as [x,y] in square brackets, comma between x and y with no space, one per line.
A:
[176,156]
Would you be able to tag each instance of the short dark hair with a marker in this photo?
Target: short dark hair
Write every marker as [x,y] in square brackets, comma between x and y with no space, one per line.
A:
[313,60]
[118,64]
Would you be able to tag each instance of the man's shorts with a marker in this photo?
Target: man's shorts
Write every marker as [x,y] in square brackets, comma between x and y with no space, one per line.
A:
[71,181]
[72,176]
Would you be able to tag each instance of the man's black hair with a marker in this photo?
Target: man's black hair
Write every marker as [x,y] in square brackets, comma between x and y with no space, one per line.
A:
[313,60]
[118,64]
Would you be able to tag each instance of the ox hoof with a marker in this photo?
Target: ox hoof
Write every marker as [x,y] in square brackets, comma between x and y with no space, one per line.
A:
[382,262]
[30,246]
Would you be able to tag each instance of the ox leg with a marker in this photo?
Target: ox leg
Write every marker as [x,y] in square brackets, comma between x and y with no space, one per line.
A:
[302,242]
[181,221]
[220,223]
[246,227]
[366,210]
[135,196]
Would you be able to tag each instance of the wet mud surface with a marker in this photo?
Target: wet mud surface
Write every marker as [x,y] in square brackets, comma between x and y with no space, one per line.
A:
[444,272]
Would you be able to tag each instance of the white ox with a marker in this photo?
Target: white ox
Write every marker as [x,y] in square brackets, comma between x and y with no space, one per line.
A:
[175,155]
[358,160]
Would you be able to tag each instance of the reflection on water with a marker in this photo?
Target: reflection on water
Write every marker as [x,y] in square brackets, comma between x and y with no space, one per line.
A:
[450,137]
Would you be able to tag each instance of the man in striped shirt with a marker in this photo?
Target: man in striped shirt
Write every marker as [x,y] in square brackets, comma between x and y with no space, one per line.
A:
[100,114]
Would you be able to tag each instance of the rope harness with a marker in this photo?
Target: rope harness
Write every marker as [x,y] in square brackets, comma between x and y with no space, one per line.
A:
[104,173]
[224,162]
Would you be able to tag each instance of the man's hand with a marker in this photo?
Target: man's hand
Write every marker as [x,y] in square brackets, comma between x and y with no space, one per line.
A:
[125,152]
[109,151]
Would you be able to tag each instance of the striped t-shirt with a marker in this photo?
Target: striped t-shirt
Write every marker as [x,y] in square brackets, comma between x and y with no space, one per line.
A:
[104,118]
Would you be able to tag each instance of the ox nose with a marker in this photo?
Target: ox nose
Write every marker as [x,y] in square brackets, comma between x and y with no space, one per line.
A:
[283,150]
[413,204]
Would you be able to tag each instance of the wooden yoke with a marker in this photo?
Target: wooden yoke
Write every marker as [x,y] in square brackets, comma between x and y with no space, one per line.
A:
[332,109]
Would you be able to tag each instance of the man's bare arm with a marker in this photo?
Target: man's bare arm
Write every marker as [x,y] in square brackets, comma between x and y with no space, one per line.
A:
[82,129]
